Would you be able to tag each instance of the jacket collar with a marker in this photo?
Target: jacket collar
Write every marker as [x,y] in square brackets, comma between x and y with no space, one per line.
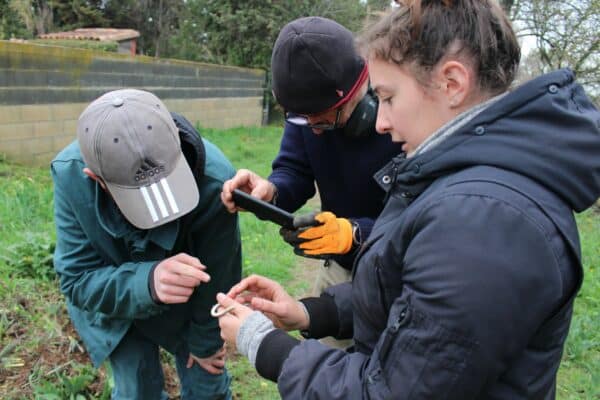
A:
[546,120]
[115,224]
[393,178]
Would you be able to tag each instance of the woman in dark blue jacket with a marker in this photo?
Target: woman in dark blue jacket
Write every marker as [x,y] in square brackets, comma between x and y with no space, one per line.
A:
[465,287]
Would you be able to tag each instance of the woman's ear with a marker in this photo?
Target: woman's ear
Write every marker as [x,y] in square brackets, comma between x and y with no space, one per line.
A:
[456,83]
[95,177]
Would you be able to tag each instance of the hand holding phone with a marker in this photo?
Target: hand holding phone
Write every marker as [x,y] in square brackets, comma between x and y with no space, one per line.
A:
[262,209]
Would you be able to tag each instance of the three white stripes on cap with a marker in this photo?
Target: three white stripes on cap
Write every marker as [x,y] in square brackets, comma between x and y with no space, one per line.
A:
[159,200]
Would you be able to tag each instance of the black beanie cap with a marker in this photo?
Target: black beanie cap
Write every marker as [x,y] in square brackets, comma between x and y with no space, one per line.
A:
[315,66]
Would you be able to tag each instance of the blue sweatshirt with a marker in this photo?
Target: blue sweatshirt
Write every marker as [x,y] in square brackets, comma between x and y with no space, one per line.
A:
[342,168]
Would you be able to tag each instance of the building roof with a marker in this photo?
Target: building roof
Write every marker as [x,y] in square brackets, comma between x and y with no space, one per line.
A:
[102,34]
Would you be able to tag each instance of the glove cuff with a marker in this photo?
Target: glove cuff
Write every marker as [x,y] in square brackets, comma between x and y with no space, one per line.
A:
[347,233]
[356,234]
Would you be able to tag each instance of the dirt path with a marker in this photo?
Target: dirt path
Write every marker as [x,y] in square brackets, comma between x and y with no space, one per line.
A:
[305,273]
[306,269]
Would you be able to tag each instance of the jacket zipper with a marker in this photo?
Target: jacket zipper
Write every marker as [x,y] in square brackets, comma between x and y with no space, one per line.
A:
[390,334]
[378,272]
[393,181]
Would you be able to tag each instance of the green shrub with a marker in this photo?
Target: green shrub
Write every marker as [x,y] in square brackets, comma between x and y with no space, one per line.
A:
[76,386]
[31,258]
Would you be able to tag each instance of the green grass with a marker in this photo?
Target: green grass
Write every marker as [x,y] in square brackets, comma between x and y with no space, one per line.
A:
[251,148]
[25,203]
[579,374]
[41,357]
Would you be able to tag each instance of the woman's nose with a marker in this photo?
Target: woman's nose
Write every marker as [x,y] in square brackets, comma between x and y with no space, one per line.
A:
[382,124]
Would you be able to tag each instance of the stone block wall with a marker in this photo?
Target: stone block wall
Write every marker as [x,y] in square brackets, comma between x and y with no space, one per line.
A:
[44,89]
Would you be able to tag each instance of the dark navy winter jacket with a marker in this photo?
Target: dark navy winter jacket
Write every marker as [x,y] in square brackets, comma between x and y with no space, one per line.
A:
[342,168]
[465,288]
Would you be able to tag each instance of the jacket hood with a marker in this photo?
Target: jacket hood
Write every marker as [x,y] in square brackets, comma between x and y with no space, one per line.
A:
[546,129]
[191,145]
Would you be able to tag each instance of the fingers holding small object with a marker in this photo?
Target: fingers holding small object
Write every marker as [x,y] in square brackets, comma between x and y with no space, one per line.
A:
[246,298]
[215,312]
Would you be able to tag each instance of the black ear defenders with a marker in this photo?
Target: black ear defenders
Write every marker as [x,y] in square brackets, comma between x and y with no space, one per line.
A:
[362,120]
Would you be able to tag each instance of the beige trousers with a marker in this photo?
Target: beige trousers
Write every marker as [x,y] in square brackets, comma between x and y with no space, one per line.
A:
[327,276]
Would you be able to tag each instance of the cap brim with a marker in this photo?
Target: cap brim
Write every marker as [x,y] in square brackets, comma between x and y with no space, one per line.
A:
[163,201]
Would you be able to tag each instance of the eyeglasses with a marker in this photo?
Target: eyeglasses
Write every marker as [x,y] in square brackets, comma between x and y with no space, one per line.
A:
[303,121]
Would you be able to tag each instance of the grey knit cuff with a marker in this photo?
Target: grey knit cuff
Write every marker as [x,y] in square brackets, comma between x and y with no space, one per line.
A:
[251,333]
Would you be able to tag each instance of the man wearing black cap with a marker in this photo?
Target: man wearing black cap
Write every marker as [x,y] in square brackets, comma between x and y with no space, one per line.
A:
[329,139]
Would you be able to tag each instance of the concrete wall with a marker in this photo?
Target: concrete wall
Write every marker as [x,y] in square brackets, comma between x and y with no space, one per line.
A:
[43,89]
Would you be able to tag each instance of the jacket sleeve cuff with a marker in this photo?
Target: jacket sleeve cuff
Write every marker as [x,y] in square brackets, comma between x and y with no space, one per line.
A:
[365,226]
[272,353]
[146,304]
[151,286]
[251,333]
[323,317]
[360,235]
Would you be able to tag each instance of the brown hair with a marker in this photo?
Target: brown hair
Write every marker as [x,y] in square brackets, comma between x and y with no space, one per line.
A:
[421,32]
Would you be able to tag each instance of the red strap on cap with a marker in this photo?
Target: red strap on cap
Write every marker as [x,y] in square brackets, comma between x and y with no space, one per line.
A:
[361,79]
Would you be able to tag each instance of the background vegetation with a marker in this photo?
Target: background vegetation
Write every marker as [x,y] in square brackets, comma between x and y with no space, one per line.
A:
[556,34]
[40,353]
[41,356]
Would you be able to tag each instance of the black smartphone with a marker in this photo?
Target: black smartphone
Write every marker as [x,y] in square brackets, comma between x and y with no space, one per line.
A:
[262,209]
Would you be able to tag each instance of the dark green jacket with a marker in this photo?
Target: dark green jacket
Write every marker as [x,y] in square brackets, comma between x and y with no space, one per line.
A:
[103,262]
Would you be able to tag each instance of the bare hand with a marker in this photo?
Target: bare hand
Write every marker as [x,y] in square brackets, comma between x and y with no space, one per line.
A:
[231,321]
[213,365]
[248,182]
[175,278]
[268,296]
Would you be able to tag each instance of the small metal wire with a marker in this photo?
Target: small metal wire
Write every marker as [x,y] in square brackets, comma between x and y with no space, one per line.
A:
[215,312]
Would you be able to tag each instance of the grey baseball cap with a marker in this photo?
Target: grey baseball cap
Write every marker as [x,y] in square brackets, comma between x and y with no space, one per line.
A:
[128,138]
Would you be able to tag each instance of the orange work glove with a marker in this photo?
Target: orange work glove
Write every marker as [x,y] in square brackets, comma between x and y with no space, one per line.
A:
[319,235]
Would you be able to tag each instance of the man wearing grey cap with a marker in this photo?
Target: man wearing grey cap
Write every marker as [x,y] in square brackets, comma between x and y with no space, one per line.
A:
[329,139]
[144,244]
